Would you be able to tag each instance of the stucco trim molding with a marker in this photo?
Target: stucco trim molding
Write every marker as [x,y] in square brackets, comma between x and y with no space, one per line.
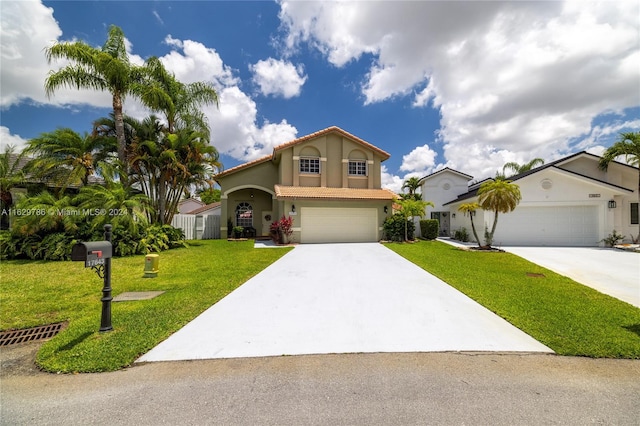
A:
[239,187]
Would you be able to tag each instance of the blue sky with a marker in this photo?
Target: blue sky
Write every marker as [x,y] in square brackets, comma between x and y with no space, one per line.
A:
[468,85]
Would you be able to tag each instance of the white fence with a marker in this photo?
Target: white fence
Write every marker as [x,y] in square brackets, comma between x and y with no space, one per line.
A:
[198,227]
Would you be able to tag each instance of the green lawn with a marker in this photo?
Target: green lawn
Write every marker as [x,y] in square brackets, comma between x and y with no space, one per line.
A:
[36,293]
[570,318]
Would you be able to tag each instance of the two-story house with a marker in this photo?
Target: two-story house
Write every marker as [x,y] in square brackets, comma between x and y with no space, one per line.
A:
[329,182]
[567,202]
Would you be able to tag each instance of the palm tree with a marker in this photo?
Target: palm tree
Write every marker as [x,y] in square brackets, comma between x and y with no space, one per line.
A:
[471,209]
[520,168]
[499,196]
[410,208]
[11,175]
[627,146]
[64,157]
[107,68]
[412,184]
[180,103]
[51,213]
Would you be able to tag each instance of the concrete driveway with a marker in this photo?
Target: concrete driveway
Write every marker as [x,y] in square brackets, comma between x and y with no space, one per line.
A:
[610,271]
[342,298]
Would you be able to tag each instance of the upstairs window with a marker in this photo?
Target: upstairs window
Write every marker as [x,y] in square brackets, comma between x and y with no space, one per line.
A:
[357,168]
[310,166]
[634,213]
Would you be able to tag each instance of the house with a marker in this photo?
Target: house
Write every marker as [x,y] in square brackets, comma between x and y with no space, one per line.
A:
[188,205]
[206,210]
[329,182]
[568,202]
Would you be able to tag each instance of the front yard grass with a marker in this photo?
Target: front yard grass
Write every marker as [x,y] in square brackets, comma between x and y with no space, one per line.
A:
[568,317]
[36,293]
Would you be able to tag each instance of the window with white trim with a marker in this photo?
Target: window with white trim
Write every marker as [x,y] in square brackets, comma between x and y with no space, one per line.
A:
[310,165]
[244,215]
[634,213]
[357,168]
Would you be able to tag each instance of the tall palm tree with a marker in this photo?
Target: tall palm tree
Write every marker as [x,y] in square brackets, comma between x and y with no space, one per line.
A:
[180,103]
[64,157]
[627,146]
[499,196]
[106,68]
[471,209]
[11,175]
[412,184]
[517,168]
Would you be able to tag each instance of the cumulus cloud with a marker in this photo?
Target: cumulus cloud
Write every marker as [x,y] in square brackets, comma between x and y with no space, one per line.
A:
[7,139]
[421,159]
[278,78]
[511,80]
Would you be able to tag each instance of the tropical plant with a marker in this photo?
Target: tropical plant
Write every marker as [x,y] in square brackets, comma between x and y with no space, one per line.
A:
[412,208]
[499,196]
[394,227]
[179,103]
[429,228]
[517,168]
[412,184]
[65,158]
[11,175]
[209,195]
[471,208]
[627,146]
[106,68]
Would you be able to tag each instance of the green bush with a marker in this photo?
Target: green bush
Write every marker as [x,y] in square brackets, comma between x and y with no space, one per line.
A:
[461,235]
[394,227]
[429,228]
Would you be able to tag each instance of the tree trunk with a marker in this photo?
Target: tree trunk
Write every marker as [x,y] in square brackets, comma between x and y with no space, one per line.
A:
[473,228]
[493,229]
[120,136]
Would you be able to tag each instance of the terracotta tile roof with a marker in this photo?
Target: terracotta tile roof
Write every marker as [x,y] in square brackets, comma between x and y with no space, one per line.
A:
[205,208]
[321,193]
[385,154]
[244,166]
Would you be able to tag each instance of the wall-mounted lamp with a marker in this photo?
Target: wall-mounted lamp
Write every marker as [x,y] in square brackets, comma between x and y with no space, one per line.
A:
[453,215]
[251,194]
[612,204]
[293,208]
[386,209]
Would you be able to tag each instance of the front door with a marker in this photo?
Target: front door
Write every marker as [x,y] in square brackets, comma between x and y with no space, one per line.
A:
[267,220]
[443,221]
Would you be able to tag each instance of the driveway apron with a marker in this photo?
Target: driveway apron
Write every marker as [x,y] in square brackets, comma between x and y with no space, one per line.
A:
[342,298]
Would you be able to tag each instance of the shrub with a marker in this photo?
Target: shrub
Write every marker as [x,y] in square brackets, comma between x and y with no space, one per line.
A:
[612,239]
[461,235]
[429,228]
[394,228]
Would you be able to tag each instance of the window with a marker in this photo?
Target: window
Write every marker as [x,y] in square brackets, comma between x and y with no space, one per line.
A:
[634,213]
[357,168]
[310,165]
[244,215]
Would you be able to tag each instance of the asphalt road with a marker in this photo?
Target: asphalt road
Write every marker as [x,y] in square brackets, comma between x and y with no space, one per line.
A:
[354,389]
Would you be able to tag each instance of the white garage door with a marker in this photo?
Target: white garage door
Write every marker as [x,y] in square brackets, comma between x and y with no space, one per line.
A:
[547,226]
[338,225]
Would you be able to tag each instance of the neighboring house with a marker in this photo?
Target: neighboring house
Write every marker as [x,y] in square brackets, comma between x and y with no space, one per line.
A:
[188,205]
[568,202]
[329,182]
[209,209]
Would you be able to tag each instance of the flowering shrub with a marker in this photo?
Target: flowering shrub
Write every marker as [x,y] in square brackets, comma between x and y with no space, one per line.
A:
[281,228]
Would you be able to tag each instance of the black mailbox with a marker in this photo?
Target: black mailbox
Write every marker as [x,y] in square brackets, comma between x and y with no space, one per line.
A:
[93,253]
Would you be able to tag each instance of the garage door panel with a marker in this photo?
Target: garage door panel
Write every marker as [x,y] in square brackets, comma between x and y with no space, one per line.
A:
[335,225]
[548,226]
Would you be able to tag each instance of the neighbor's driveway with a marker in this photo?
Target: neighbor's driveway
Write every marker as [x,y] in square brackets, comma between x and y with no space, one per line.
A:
[610,271]
[342,298]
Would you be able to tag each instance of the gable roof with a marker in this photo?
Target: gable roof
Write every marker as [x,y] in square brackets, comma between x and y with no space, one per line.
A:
[333,129]
[446,169]
[205,208]
[553,165]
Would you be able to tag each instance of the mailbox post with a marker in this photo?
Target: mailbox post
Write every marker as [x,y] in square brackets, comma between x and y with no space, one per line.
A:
[97,256]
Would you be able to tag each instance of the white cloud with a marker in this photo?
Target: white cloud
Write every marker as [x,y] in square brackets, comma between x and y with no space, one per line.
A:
[278,78]
[6,139]
[421,159]
[391,181]
[510,79]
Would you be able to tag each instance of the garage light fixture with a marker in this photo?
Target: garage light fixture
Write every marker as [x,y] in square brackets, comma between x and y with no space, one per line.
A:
[612,204]
[386,209]
[293,208]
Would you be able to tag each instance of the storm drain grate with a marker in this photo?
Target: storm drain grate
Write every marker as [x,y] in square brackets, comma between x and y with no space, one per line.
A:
[14,337]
